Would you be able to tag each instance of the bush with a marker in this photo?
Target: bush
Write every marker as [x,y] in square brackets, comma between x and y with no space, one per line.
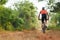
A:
[53,28]
[23,18]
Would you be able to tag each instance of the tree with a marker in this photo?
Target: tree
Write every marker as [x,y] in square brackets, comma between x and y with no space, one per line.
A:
[9,18]
[40,0]
[57,10]
[3,2]
[57,7]
[4,16]
[22,18]
[27,12]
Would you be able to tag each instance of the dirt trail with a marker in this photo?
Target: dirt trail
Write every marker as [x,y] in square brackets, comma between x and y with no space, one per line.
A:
[30,35]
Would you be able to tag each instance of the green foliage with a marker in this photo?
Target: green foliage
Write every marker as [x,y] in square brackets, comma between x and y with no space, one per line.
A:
[57,11]
[57,7]
[5,17]
[53,28]
[51,2]
[40,0]
[27,13]
[8,17]
[55,20]
[22,18]
[3,2]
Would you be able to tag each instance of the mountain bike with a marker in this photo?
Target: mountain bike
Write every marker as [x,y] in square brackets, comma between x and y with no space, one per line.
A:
[44,27]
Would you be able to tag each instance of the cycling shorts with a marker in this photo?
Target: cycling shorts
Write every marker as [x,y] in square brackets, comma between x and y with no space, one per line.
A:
[44,18]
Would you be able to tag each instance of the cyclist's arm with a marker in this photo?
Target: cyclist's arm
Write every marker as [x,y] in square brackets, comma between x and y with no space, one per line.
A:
[48,16]
[39,16]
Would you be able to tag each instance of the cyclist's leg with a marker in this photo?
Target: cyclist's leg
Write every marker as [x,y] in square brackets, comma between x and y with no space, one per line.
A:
[43,26]
[45,20]
[42,22]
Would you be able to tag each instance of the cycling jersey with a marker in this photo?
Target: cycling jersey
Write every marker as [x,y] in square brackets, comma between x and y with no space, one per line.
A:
[43,12]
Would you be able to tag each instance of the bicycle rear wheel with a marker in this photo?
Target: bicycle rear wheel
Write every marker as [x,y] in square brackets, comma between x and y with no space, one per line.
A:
[44,29]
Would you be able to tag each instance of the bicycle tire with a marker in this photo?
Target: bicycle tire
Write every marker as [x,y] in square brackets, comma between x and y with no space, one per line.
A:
[44,29]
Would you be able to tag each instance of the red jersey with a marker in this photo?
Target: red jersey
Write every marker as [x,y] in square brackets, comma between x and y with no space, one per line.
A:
[43,12]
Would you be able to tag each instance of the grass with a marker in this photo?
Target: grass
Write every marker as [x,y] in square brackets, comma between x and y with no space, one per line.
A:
[53,28]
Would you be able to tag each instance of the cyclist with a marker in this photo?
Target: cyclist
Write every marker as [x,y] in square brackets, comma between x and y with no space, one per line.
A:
[44,16]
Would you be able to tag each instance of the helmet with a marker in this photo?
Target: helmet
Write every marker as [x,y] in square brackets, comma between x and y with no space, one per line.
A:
[43,8]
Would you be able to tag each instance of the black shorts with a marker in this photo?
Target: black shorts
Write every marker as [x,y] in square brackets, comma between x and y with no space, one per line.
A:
[44,18]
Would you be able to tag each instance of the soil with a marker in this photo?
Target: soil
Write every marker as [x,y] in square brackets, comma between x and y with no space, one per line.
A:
[30,35]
